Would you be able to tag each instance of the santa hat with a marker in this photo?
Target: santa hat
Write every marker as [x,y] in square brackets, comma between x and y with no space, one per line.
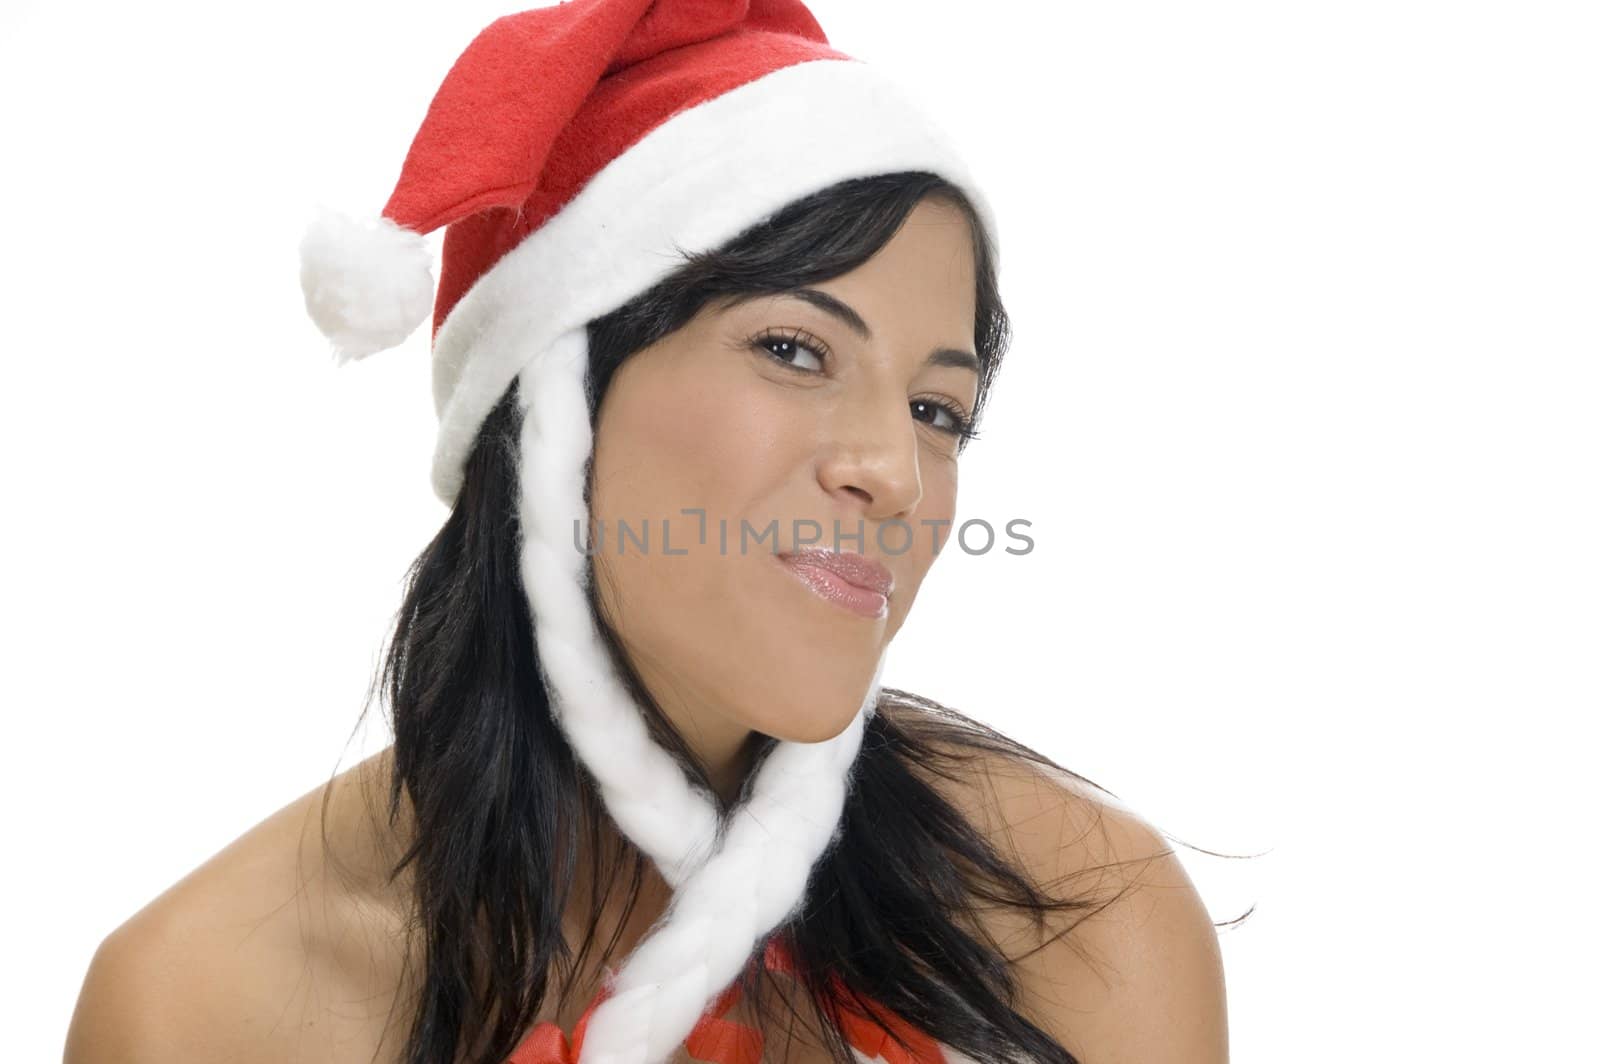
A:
[573,153]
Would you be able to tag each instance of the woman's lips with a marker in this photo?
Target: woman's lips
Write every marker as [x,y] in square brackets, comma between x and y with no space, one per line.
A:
[852,581]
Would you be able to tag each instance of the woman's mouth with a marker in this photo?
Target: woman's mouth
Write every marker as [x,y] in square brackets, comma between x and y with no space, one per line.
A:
[851,581]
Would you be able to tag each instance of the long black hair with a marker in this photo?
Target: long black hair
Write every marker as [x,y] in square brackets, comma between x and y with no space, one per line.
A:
[500,802]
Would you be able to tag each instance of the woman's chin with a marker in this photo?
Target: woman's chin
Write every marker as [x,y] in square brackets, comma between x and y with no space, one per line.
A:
[814,723]
[820,733]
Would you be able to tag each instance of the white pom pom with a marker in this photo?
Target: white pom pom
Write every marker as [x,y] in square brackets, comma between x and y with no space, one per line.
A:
[368,284]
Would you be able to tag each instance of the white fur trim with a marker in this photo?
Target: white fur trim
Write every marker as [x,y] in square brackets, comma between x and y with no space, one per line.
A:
[695,181]
[367,282]
[644,789]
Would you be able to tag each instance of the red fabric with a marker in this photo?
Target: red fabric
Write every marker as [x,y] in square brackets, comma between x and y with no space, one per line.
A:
[720,1041]
[540,101]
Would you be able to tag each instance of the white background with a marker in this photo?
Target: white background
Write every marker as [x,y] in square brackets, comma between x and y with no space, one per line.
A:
[1302,406]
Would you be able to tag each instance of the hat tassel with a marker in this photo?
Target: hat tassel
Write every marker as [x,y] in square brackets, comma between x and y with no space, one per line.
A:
[367,282]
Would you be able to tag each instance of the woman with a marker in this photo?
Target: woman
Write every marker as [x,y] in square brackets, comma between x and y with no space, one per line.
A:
[709,279]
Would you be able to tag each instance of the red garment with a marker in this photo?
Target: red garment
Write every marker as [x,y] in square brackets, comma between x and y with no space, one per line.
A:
[721,1041]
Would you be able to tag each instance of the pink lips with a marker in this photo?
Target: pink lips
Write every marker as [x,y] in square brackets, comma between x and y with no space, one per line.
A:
[853,581]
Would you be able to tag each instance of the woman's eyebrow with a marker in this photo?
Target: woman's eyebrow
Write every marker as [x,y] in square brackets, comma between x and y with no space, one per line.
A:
[940,356]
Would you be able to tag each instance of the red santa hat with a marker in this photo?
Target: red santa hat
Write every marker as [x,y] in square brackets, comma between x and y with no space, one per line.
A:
[573,153]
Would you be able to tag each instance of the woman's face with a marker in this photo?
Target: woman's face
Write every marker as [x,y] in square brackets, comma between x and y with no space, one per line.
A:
[777,418]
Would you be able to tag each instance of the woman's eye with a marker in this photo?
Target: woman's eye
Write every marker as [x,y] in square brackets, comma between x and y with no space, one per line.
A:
[792,350]
[955,422]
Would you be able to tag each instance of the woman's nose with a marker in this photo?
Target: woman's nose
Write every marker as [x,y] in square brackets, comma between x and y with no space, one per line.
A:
[871,454]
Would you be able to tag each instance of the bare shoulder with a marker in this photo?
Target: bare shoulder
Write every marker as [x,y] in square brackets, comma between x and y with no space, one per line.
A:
[1134,975]
[263,953]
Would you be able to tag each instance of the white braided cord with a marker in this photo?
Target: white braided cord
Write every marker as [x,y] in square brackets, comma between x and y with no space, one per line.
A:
[725,898]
